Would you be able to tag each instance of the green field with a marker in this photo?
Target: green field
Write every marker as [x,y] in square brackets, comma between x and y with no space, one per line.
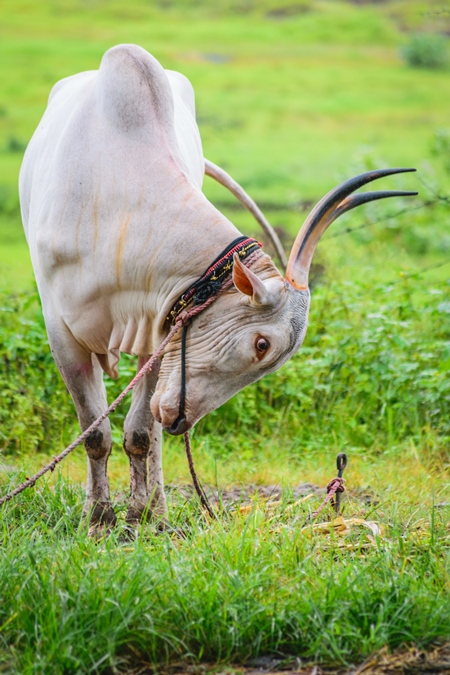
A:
[292,97]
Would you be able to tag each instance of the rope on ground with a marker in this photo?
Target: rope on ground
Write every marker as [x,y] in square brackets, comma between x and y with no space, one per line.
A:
[334,487]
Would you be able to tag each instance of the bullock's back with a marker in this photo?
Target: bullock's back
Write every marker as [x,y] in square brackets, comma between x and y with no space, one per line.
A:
[111,144]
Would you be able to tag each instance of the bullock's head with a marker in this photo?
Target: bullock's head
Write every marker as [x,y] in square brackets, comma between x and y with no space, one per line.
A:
[257,325]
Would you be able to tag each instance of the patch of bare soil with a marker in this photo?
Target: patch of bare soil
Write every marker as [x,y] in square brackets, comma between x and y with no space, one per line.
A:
[410,661]
[288,11]
[244,493]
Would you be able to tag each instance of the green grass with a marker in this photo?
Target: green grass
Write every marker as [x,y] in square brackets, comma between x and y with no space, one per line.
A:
[290,103]
[253,584]
[296,103]
[372,379]
[293,103]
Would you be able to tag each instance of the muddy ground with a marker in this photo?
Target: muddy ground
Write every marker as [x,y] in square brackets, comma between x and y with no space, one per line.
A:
[411,661]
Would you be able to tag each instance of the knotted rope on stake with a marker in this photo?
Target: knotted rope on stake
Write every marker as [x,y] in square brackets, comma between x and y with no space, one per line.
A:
[334,487]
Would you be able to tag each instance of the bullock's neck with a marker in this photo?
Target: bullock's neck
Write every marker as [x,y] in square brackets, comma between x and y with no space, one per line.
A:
[195,234]
[203,234]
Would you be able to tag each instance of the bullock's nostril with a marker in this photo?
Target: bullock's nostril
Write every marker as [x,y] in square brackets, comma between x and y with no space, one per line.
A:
[178,427]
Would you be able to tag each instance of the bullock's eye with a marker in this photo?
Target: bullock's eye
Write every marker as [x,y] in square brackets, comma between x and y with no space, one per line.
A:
[262,345]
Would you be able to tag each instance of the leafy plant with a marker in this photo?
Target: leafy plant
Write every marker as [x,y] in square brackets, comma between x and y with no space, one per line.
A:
[426,51]
[34,404]
[15,144]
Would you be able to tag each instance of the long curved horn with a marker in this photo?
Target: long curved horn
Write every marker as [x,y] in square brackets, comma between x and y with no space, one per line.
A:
[330,207]
[225,179]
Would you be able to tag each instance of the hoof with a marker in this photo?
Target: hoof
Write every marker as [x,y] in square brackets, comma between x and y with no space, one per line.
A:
[136,515]
[130,533]
[101,519]
[142,513]
[98,531]
[135,518]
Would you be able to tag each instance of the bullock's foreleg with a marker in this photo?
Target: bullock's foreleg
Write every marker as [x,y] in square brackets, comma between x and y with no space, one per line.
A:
[142,443]
[84,379]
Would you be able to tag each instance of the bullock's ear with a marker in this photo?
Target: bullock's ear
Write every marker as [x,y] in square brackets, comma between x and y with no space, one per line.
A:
[249,284]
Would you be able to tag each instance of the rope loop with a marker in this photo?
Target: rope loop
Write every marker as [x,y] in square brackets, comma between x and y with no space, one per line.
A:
[183,319]
[336,485]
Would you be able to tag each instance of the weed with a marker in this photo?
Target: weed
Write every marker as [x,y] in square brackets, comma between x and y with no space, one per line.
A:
[371,361]
[14,144]
[426,51]
[441,147]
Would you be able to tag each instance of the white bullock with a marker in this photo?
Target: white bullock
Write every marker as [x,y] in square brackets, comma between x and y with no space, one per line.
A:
[118,229]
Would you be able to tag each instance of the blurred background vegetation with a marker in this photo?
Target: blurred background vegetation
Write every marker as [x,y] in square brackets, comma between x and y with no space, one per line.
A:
[292,97]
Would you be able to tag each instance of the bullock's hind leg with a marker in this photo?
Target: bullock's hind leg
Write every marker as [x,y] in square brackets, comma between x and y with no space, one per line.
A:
[84,379]
[142,443]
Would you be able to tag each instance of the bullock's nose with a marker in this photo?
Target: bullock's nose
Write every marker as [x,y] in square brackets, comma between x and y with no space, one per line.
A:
[178,427]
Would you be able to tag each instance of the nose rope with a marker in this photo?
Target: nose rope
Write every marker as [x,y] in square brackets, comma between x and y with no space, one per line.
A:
[181,414]
[213,281]
[186,318]
[197,485]
[183,369]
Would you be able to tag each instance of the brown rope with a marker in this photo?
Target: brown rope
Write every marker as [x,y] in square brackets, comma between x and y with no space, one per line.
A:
[335,485]
[182,319]
[82,437]
[198,488]
[186,316]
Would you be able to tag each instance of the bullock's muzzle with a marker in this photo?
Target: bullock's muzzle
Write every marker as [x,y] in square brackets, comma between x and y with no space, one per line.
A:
[180,426]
